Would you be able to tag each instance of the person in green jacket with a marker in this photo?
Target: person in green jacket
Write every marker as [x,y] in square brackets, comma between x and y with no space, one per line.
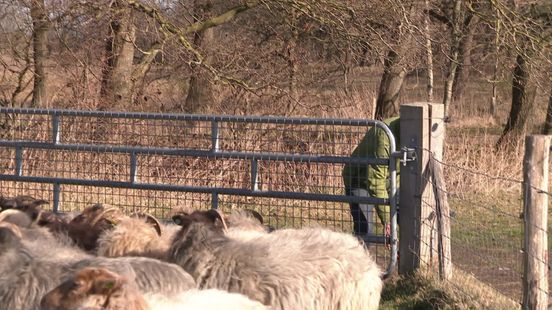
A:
[371,180]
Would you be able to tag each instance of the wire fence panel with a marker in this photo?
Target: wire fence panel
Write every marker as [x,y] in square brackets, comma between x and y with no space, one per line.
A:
[288,169]
[486,235]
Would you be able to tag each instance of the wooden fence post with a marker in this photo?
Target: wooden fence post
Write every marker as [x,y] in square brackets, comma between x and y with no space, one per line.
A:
[414,246]
[535,207]
[442,229]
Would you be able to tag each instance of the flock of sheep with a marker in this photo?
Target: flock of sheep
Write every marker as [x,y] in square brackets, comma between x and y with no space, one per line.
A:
[101,258]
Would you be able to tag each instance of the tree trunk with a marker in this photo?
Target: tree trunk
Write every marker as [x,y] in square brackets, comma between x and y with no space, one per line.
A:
[464,59]
[140,71]
[293,67]
[200,88]
[117,82]
[494,98]
[387,104]
[429,55]
[41,25]
[547,130]
[523,95]
[454,51]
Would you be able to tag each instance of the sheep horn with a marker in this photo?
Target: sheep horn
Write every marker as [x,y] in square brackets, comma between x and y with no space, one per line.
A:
[14,228]
[102,214]
[37,217]
[255,214]
[6,213]
[22,218]
[150,219]
[215,214]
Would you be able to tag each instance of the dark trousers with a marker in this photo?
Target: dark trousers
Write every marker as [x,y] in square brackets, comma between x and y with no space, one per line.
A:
[361,225]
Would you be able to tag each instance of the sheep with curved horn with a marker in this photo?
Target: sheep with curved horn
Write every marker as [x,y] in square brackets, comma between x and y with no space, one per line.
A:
[289,269]
[31,268]
[99,288]
[86,228]
[83,229]
[138,235]
[19,202]
[29,228]
[245,224]
[123,240]
[16,217]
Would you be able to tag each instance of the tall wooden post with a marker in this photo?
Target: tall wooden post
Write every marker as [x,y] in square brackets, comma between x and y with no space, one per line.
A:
[414,243]
[441,236]
[535,260]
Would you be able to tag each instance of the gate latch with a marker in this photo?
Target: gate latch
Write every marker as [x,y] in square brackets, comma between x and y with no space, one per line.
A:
[408,154]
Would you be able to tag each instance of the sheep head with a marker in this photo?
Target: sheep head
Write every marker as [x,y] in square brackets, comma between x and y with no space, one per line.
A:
[94,288]
[98,215]
[86,228]
[20,202]
[211,218]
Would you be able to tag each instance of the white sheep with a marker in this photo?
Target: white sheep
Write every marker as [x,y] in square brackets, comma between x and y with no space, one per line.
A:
[36,234]
[141,235]
[288,269]
[99,288]
[245,225]
[31,268]
[145,236]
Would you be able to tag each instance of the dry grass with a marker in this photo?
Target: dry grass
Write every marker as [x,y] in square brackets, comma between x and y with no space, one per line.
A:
[423,291]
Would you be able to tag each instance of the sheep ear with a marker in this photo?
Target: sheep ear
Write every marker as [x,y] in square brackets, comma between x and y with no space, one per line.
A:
[99,281]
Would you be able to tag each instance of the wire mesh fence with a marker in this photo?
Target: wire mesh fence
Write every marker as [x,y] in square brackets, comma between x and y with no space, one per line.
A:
[486,234]
[289,170]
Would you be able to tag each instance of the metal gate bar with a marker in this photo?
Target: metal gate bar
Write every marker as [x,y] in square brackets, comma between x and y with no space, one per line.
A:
[214,150]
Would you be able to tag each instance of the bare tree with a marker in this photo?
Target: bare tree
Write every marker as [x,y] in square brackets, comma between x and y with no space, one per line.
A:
[200,88]
[41,25]
[456,34]
[497,44]
[462,75]
[531,31]
[292,60]
[547,130]
[429,53]
[523,97]
[390,87]
[117,84]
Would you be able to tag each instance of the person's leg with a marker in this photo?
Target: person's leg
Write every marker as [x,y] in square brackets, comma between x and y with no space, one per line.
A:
[370,214]
[360,224]
[367,213]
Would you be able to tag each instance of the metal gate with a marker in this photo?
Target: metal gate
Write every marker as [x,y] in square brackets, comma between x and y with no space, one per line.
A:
[288,169]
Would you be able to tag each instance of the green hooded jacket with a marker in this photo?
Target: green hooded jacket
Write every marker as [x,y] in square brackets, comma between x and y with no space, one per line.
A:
[374,178]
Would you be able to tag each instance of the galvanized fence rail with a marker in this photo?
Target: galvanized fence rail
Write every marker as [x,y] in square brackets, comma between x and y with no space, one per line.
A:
[288,169]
